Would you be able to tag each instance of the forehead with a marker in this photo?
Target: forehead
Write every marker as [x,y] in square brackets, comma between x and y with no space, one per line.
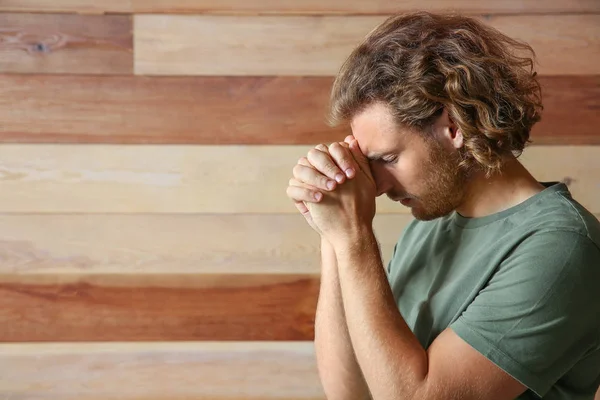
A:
[375,130]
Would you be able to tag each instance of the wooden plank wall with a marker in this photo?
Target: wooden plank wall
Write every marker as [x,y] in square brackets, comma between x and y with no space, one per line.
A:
[147,249]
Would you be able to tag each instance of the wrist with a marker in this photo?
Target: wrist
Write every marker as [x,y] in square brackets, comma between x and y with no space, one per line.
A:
[328,258]
[357,241]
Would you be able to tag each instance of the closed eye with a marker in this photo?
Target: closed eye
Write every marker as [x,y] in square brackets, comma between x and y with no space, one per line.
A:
[390,160]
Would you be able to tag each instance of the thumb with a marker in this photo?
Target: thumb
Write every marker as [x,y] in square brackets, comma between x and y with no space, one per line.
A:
[360,158]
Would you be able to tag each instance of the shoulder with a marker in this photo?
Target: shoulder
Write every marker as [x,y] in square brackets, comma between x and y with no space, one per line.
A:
[560,212]
[550,258]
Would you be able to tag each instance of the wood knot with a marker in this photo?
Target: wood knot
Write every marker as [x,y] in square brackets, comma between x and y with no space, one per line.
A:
[41,48]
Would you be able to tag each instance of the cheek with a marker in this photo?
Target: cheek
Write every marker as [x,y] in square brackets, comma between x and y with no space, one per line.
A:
[404,171]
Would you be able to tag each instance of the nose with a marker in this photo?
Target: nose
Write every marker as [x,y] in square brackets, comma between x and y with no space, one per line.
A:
[382,180]
[382,189]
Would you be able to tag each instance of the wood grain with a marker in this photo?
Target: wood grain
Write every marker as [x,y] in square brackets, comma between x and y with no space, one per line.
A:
[570,102]
[305,45]
[159,371]
[208,179]
[162,307]
[228,110]
[301,6]
[169,244]
[68,6]
[199,110]
[235,45]
[73,44]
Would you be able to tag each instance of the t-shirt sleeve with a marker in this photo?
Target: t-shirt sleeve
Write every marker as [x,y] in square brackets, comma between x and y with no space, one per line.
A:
[540,312]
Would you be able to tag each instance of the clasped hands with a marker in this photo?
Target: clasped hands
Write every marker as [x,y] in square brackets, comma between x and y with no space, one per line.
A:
[335,191]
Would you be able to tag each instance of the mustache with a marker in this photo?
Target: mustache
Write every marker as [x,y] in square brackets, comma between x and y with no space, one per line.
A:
[397,197]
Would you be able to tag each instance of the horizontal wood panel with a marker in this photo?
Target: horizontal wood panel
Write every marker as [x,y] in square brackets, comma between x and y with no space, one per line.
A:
[570,103]
[301,6]
[159,371]
[208,179]
[202,110]
[73,44]
[169,244]
[228,110]
[69,6]
[304,45]
[61,307]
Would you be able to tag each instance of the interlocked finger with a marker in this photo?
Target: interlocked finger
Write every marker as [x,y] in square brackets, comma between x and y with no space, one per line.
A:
[343,157]
[300,192]
[312,177]
[323,162]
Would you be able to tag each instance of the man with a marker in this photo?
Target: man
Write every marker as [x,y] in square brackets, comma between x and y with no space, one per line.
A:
[492,291]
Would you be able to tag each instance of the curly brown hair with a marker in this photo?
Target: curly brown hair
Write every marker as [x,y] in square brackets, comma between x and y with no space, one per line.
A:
[420,63]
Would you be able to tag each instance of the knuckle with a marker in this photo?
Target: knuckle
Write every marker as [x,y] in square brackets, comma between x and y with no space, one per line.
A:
[313,153]
[297,169]
[332,169]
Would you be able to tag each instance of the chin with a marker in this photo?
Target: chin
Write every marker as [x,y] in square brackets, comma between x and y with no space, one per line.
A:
[428,215]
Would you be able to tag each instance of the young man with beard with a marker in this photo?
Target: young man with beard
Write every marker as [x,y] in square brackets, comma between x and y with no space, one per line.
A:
[492,291]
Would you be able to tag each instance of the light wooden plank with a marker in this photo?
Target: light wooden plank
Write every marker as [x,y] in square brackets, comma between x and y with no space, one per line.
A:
[159,371]
[208,179]
[169,244]
[304,45]
[302,6]
[564,45]
[233,45]
[73,44]
[228,110]
[119,307]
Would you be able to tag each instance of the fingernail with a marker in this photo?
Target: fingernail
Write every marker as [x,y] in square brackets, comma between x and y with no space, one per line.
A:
[350,172]
[330,184]
[339,178]
[318,196]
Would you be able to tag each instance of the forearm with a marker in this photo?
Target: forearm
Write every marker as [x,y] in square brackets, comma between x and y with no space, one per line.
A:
[393,362]
[339,371]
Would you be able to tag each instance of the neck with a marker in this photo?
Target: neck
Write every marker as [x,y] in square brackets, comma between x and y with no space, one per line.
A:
[511,186]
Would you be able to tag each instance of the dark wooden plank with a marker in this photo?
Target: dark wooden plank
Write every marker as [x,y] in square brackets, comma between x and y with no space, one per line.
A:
[571,112]
[42,308]
[227,110]
[73,44]
[201,110]
[301,6]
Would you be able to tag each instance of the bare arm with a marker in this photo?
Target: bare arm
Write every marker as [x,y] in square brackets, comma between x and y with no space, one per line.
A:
[339,371]
[361,331]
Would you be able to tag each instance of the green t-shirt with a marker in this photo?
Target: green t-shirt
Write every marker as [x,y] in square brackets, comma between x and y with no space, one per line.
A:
[521,286]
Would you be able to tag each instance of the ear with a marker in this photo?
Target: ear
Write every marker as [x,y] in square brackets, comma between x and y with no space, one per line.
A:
[454,133]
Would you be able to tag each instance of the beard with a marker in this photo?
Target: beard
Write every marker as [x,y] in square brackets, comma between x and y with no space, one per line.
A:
[443,186]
